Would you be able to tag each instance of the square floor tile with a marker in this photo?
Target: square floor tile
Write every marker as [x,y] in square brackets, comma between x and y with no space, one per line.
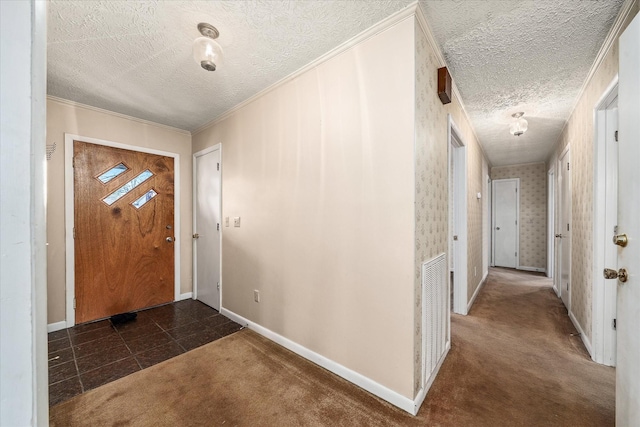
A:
[141,330]
[92,335]
[227,328]
[97,346]
[159,354]
[52,336]
[186,330]
[58,345]
[64,390]
[174,320]
[216,320]
[145,343]
[102,358]
[62,372]
[108,373]
[60,357]
[199,339]
[88,327]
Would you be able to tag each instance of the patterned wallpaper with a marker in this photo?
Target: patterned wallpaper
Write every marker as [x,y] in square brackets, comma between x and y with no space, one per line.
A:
[431,178]
[432,199]
[578,134]
[533,210]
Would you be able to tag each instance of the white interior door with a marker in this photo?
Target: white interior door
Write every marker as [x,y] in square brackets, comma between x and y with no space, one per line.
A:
[206,226]
[564,229]
[628,354]
[505,222]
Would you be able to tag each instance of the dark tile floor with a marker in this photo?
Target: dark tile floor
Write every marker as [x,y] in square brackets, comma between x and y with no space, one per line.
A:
[92,354]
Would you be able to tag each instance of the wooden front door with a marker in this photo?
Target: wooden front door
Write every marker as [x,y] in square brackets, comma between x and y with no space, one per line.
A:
[124,212]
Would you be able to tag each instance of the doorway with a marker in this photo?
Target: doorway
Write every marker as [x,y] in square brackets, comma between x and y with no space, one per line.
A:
[457,219]
[506,206]
[121,225]
[563,229]
[605,210]
[206,225]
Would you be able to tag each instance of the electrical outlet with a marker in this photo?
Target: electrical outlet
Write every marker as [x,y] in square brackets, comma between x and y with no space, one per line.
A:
[226,221]
[256,295]
[236,221]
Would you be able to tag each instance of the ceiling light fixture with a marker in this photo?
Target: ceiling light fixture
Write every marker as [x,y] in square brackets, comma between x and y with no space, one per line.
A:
[206,51]
[519,125]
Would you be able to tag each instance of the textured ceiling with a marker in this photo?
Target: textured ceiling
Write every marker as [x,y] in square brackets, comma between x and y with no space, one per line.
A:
[134,57]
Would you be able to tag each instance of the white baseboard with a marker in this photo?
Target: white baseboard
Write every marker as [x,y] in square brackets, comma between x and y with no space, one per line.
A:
[475,294]
[186,295]
[585,339]
[538,269]
[402,402]
[57,326]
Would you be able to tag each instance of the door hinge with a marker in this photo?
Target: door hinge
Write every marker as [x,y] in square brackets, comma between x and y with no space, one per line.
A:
[567,227]
[73,162]
[567,166]
[218,166]
[516,253]
[218,285]
[74,303]
[218,226]
[615,134]
[74,232]
[615,326]
[516,222]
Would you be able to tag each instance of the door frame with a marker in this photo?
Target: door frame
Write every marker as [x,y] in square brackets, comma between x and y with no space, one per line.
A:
[194,221]
[558,221]
[69,211]
[602,307]
[457,150]
[551,223]
[493,219]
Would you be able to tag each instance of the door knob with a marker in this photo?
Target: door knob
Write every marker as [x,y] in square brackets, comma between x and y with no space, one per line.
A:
[559,236]
[497,228]
[621,274]
[169,239]
[195,236]
[620,240]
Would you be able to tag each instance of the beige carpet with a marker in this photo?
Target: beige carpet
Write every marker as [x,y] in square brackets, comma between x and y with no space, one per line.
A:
[513,362]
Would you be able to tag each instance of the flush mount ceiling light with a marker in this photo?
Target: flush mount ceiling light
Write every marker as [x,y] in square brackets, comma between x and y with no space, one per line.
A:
[519,125]
[206,51]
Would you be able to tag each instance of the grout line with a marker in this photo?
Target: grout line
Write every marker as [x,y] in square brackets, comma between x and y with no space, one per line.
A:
[75,361]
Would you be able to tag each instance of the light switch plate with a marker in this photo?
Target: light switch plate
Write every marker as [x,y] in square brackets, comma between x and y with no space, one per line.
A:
[236,221]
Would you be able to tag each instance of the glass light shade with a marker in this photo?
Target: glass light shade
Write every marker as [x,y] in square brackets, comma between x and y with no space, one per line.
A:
[518,127]
[207,53]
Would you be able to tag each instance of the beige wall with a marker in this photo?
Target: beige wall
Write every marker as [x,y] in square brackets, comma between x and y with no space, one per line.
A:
[578,134]
[533,211]
[65,118]
[320,170]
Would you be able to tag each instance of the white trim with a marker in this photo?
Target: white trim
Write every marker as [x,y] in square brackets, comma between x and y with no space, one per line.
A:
[612,37]
[57,326]
[584,337]
[194,222]
[477,291]
[536,269]
[460,281]
[186,295]
[600,234]
[70,216]
[373,387]
[551,206]
[115,114]
[397,17]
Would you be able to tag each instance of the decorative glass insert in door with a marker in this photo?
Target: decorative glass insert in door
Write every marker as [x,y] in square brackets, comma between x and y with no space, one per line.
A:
[140,202]
[112,173]
[125,189]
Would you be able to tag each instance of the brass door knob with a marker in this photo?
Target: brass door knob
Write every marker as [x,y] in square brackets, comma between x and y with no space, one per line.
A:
[621,274]
[620,240]
[195,236]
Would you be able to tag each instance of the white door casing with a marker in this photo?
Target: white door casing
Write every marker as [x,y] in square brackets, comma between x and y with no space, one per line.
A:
[551,198]
[628,349]
[563,230]
[505,222]
[207,226]
[458,247]
[605,212]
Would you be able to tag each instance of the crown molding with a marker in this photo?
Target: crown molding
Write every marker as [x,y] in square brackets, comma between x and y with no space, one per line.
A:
[612,37]
[376,29]
[118,115]
[426,29]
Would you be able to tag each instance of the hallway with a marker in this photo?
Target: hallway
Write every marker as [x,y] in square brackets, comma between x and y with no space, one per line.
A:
[515,361]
